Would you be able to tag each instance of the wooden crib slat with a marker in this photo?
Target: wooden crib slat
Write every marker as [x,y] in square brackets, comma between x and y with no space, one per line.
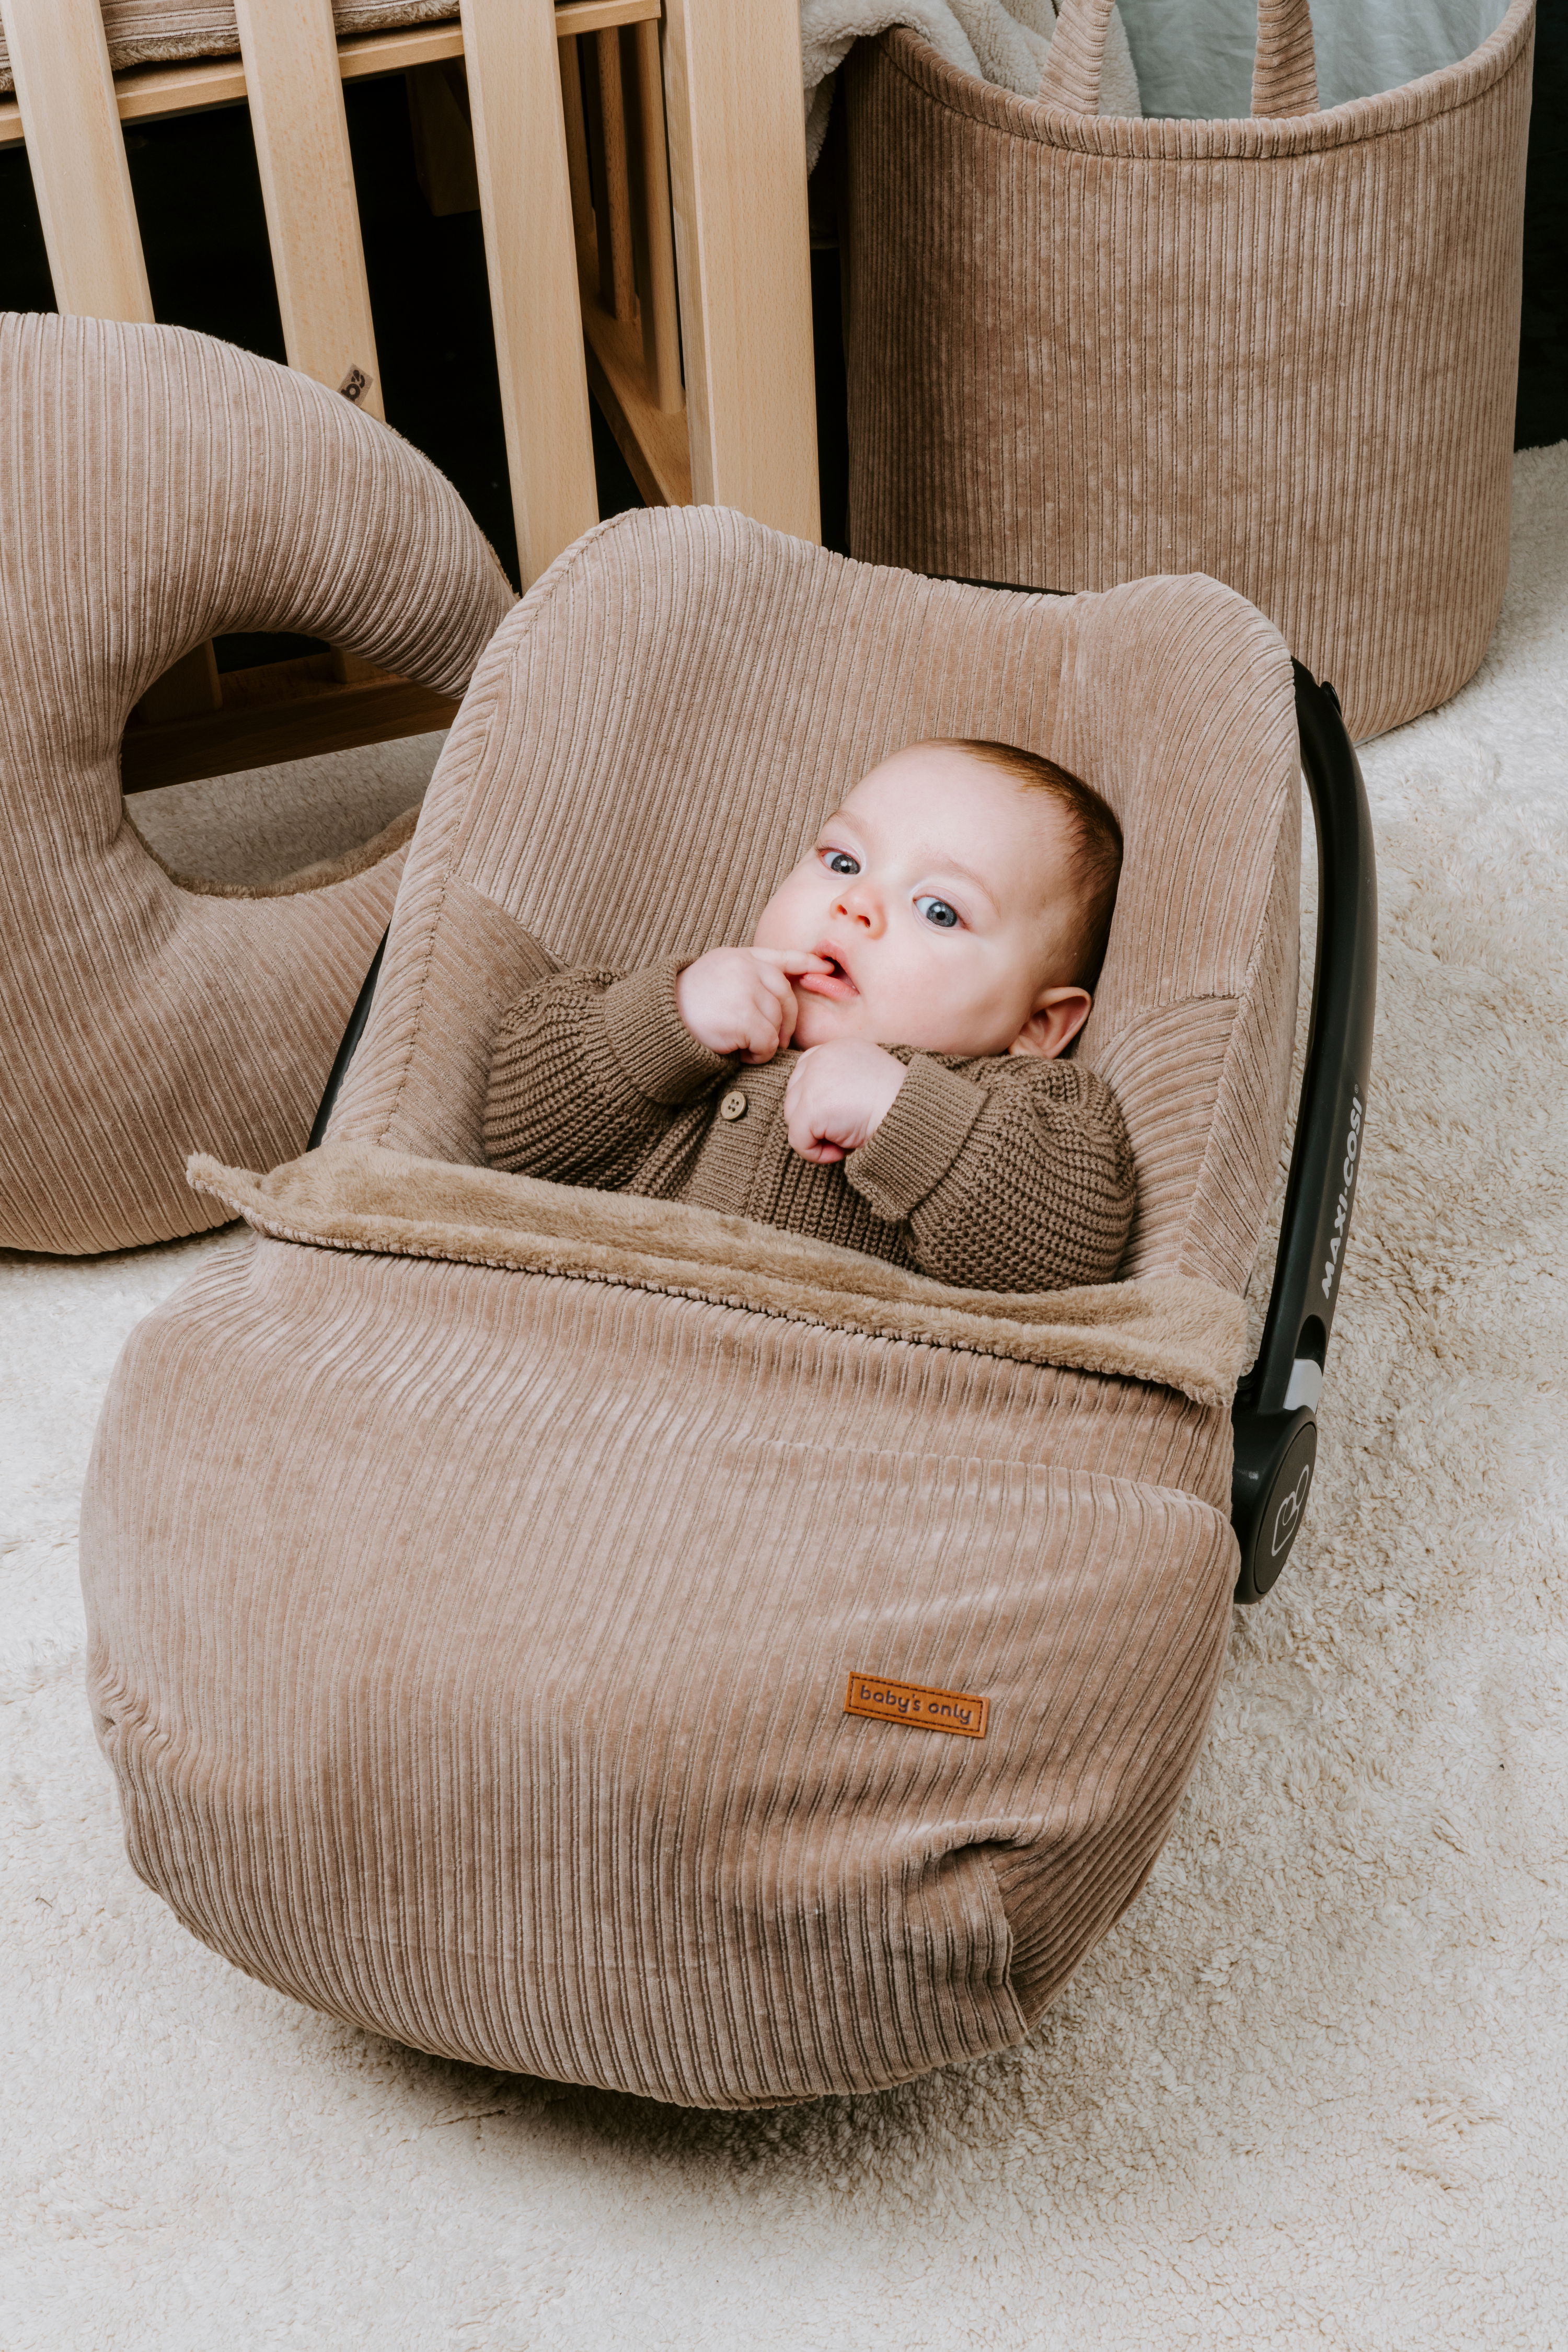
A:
[577,171]
[733,83]
[291,54]
[661,312]
[616,287]
[519,148]
[743,310]
[442,142]
[76,151]
[195,84]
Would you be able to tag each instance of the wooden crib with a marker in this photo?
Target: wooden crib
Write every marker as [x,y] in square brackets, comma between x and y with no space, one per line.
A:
[640,172]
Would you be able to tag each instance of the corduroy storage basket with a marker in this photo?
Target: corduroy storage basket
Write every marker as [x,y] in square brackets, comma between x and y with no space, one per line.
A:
[1281,350]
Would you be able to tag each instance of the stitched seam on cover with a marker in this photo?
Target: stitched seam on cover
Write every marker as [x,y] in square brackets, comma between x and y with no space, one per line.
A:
[1148,1005]
[1242,1002]
[275,1230]
[396,1103]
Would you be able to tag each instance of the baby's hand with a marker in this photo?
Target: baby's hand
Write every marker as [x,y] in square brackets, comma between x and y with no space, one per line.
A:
[838,1097]
[739,1000]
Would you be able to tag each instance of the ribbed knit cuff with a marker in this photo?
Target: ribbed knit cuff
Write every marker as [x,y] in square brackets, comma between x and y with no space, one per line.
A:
[918,1141]
[652,1043]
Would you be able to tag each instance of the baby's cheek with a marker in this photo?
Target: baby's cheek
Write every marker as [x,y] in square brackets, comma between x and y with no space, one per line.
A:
[785,919]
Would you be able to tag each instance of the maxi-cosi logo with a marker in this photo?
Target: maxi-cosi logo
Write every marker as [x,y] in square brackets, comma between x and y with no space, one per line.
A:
[1347,1195]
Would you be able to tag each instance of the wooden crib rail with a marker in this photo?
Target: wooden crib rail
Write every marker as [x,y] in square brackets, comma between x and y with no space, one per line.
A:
[65,92]
[290,52]
[742,247]
[519,151]
[641,180]
[291,70]
[612,109]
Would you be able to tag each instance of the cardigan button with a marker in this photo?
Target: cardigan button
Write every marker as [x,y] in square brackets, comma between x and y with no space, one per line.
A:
[734,1105]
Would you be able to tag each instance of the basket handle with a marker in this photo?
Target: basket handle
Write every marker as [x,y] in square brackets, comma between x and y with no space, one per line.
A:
[1284,70]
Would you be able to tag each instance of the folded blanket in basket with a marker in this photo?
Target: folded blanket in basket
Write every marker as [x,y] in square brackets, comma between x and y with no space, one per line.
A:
[1003,41]
[1176,1332]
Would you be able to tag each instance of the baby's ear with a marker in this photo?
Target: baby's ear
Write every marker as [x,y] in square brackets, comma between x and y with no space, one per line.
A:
[1053,1024]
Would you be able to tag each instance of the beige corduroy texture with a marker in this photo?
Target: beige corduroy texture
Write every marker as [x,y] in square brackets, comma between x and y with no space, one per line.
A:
[143,32]
[1281,351]
[1186,1334]
[156,488]
[470,1644]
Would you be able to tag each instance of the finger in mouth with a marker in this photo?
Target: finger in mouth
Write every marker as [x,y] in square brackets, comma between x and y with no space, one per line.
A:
[835,982]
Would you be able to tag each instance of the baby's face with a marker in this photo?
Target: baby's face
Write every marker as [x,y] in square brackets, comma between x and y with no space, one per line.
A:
[942,892]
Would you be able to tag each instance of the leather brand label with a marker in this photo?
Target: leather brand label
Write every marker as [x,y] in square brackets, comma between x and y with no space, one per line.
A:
[932,1710]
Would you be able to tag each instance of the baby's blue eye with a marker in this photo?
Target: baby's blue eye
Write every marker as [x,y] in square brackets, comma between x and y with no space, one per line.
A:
[937,911]
[838,861]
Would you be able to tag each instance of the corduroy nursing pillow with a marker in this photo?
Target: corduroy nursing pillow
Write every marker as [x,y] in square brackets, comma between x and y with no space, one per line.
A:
[1282,351]
[157,489]
[484,1576]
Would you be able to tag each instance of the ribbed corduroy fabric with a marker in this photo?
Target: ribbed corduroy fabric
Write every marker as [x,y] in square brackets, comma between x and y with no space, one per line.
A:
[472,1644]
[157,488]
[1172,1329]
[143,31]
[1281,351]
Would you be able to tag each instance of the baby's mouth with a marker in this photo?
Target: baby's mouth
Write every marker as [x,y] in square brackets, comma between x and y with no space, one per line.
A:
[836,984]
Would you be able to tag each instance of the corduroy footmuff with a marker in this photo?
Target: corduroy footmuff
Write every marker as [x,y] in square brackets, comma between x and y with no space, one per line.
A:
[157,488]
[471,1620]
[1281,350]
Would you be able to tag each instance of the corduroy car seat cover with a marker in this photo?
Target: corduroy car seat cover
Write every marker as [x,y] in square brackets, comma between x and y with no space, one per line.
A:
[157,489]
[485,1684]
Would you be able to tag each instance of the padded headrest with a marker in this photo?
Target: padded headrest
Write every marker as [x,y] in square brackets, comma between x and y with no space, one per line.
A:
[658,731]
[158,488]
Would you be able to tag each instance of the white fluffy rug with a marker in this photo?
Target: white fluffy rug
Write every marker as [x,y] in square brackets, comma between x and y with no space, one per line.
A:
[268,822]
[1313,2090]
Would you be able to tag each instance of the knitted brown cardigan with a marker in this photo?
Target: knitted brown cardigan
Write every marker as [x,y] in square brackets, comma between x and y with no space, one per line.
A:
[998,1172]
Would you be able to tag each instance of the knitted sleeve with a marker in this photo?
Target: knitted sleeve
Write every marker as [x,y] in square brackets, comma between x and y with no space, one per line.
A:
[1011,1173]
[590,1069]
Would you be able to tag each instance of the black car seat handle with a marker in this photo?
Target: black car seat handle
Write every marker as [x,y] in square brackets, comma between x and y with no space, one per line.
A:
[1274,1416]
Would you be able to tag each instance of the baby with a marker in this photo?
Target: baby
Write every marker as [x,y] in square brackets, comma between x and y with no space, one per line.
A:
[880,1068]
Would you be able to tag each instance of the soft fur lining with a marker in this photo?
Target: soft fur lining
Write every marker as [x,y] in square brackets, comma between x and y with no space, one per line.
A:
[1180,1333]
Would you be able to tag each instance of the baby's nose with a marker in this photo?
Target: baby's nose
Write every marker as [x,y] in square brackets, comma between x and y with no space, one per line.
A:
[862,904]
